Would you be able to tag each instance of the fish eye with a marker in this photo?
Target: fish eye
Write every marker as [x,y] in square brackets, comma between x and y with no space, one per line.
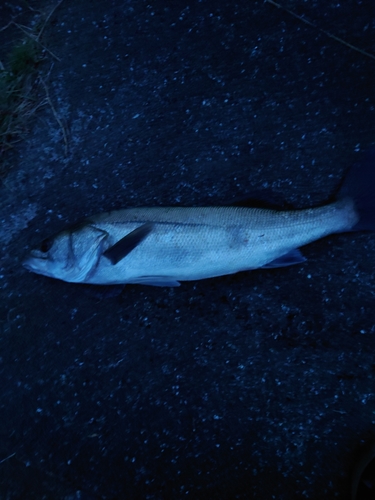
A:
[46,245]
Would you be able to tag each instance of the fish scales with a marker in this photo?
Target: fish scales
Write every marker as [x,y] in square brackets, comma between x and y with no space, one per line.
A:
[201,242]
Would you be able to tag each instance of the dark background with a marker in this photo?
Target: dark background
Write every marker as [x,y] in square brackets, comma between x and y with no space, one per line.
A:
[257,385]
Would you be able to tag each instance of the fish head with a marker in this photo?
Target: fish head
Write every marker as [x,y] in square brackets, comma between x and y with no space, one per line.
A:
[71,255]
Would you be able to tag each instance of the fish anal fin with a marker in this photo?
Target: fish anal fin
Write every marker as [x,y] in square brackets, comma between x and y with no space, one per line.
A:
[288,259]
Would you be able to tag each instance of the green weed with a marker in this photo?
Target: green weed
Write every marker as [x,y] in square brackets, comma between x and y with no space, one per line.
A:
[18,92]
[22,90]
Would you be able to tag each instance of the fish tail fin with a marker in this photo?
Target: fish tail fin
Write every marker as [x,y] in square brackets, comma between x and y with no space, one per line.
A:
[359,185]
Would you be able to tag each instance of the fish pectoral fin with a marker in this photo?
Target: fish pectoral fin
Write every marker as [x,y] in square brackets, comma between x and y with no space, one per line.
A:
[124,246]
[288,259]
[156,281]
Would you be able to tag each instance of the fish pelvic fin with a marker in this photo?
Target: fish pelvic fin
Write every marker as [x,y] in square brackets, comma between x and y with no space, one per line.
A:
[156,281]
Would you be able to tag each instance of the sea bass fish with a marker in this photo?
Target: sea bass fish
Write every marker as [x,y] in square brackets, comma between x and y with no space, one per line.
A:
[162,246]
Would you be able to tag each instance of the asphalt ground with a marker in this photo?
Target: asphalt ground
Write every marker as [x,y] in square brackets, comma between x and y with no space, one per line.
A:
[256,385]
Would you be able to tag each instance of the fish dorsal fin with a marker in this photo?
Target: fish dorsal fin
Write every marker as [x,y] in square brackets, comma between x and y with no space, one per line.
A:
[288,259]
[263,199]
[124,246]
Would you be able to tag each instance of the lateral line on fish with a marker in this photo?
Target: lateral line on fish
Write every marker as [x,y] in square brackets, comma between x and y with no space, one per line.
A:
[163,223]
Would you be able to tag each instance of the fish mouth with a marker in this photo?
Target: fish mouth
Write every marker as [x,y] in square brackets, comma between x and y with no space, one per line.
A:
[38,254]
[35,261]
[38,266]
